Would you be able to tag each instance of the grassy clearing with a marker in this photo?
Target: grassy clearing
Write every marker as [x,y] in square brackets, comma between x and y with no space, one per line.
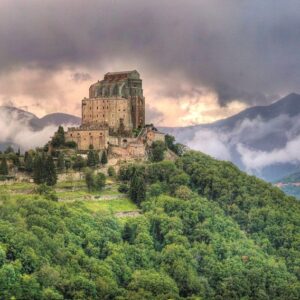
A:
[17,187]
[92,201]
[70,184]
[114,206]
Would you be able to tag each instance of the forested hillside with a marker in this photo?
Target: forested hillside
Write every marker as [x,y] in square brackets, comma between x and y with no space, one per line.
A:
[207,231]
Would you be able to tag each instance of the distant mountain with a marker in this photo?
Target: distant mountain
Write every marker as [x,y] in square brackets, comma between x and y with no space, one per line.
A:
[290,184]
[260,139]
[292,178]
[36,123]
[20,128]
[58,119]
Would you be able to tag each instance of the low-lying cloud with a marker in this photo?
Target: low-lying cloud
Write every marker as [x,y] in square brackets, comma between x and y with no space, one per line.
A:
[255,143]
[18,131]
[257,159]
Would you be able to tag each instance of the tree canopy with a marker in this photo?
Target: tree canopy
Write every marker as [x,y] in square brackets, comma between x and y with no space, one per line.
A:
[207,231]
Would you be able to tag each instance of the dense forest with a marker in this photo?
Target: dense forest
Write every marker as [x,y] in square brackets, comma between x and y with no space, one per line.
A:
[207,231]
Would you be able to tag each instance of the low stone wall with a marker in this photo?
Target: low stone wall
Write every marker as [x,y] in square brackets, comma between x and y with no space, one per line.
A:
[136,150]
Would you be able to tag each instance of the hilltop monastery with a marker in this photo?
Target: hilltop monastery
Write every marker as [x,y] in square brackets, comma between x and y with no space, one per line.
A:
[113,117]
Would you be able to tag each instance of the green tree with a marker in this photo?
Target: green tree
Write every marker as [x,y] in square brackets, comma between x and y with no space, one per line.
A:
[100,181]
[104,158]
[51,176]
[71,144]
[39,175]
[160,285]
[157,151]
[61,162]
[28,162]
[68,164]
[123,188]
[3,167]
[137,189]
[2,256]
[89,179]
[155,189]
[111,171]
[79,163]
[178,180]
[14,158]
[59,138]
[9,149]
[47,191]
[91,158]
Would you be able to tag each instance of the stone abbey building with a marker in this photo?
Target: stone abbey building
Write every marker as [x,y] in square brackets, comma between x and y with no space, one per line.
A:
[114,110]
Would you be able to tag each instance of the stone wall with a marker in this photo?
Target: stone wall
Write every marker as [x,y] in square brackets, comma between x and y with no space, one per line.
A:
[86,137]
[107,111]
[131,151]
[153,136]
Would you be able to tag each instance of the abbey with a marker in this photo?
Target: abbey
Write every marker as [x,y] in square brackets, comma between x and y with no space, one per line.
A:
[114,111]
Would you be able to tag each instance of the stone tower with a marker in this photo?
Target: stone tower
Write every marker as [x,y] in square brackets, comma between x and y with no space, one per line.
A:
[114,87]
[115,107]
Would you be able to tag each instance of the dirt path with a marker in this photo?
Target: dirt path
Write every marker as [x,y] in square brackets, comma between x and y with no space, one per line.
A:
[94,198]
[131,214]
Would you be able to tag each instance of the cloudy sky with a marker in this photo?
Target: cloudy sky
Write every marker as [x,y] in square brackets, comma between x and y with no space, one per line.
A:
[200,60]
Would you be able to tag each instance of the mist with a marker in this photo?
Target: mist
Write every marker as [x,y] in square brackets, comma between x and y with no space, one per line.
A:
[253,144]
[19,133]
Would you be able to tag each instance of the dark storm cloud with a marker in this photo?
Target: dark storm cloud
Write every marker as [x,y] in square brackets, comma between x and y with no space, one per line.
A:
[242,49]
[78,76]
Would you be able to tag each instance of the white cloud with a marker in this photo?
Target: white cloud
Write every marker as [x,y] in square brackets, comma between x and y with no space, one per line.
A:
[256,143]
[212,143]
[18,132]
[257,159]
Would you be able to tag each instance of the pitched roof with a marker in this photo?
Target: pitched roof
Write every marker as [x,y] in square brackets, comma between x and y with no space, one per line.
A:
[120,73]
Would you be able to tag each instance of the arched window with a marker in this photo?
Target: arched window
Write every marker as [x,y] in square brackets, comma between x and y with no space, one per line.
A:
[123,92]
[115,90]
[107,92]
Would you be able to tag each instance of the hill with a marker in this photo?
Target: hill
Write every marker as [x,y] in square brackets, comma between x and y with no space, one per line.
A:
[261,139]
[57,119]
[207,230]
[290,184]
[23,129]
[18,115]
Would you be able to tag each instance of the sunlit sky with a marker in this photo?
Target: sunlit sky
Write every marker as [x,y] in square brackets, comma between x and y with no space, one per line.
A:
[200,60]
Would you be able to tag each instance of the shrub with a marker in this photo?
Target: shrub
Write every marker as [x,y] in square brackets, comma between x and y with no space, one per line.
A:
[71,144]
[111,171]
[123,188]
[46,191]
[100,181]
